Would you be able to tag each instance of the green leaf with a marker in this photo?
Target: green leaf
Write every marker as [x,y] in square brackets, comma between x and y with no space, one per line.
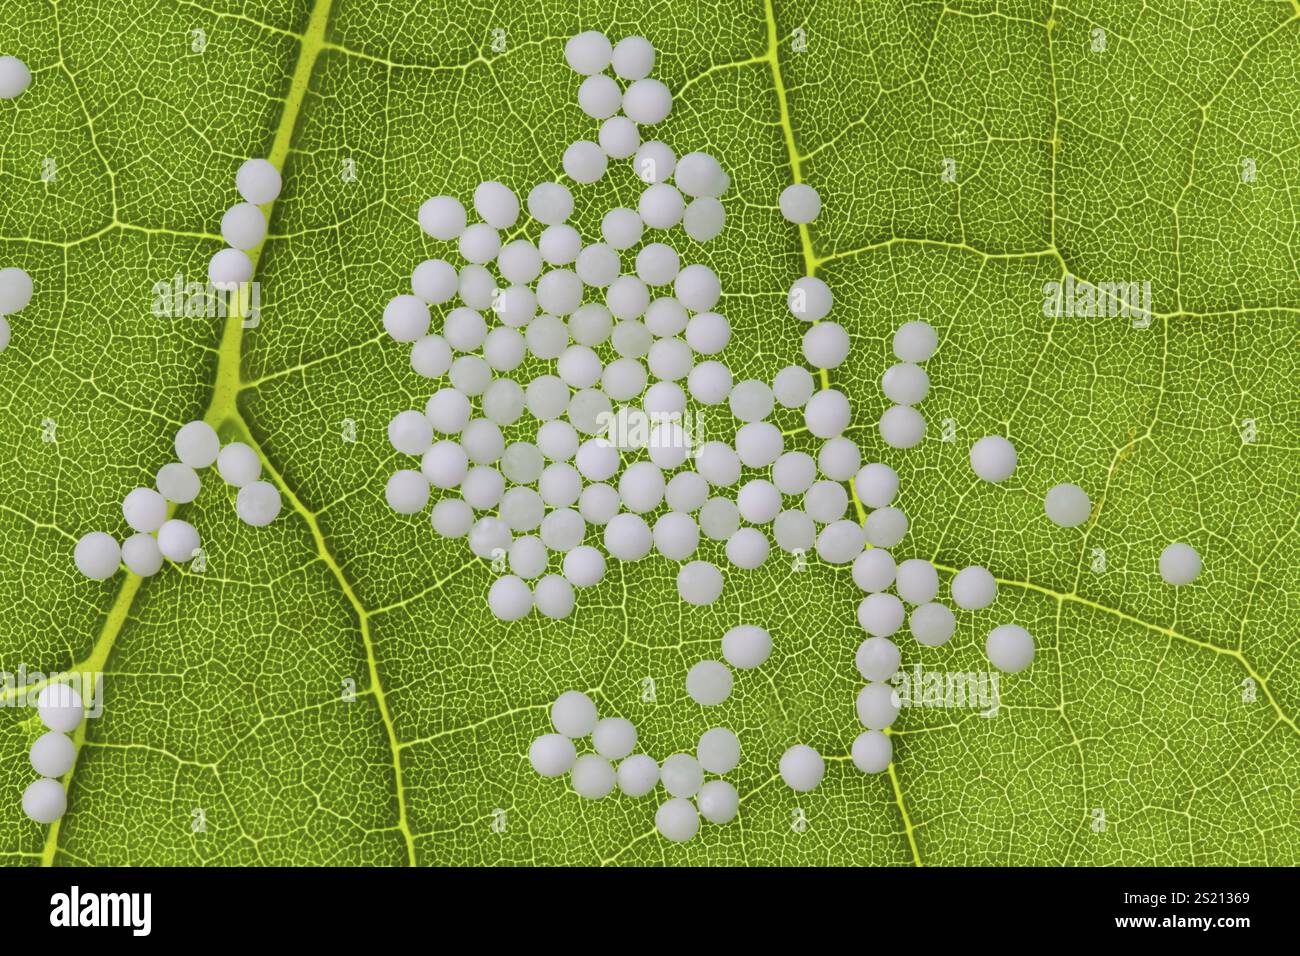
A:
[226,690]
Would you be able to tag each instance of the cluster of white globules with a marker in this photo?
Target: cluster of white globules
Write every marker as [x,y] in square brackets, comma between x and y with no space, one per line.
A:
[15,283]
[257,502]
[60,709]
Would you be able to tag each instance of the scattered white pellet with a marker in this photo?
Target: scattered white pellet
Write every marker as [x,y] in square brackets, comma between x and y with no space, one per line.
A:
[618,137]
[802,768]
[800,203]
[872,751]
[874,570]
[614,738]
[442,217]
[932,624]
[584,162]
[677,820]
[588,53]
[497,204]
[1010,648]
[877,706]
[243,226]
[746,646]
[793,386]
[1179,564]
[876,485]
[973,588]
[681,775]
[407,491]
[915,341]
[916,581]
[258,503]
[902,427]
[633,58]
[993,458]
[553,597]
[97,555]
[177,483]
[718,750]
[877,659]
[840,541]
[654,162]
[699,583]
[15,77]
[885,527]
[258,182]
[718,801]
[406,318]
[905,383]
[827,413]
[709,683]
[552,755]
[239,465]
[647,102]
[178,540]
[826,345]
[144,509]
[747,548]
[599,96]
[809,299]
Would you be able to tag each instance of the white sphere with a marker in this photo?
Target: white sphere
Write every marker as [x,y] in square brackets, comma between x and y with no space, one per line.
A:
[452,518]
[407,491]
[563,530]
[839,458]
[718,750]
[592,777]
[932,624]
[677,820]
[872,751]
[442,217]
[827,413]
[503,349]
[258,181]
[669,360]
[15,77]
[633,58]
[641,486]
[434,281]
[686,492]
[676,536]
[658,264]
[141,555]
[515,307]
[885,527]
[880,614]
[59,707]
[758,501]
[445,464]
[704,219]
[483,488]
[522,462]
[623,379]
[559,485]
[794,472]
[488,537]
[905,383]
[478,289]
[406,318]
[628,537]
[197,444]
[552,755]
[793,386]
[874,570]
[497,204]
[258,503]
[877,706]
[826,345]
[697,287]
[590,324]
[759,444]
[559,292]
[794,531]
[239,465]
[666,317]
[661,206]
[708,334]
[809,299]
[699,583]
[915,341]
[718,801]
[558,440]
[647,102]
[719,519]
[654,162]
[916,581]
[522,509]
[902,426]
[747,548]
[614,738]
[97,555]
[584,162]
[681,775]
[144,509]
[546,337]
[431,357]
[410,433]
[44,800]
[596,459]
[553,597]
[668,445]
[621,228]
[229,268]
[618,137]
[826,501]
[589,410]
[479,243]
[627,297]
[589,52]
[840,542]
[243,226]
[700,174]
[799,203]
[1010,648]
[802,768]
[546,397]
[503,402]
[993,458]
[877,659]
[664,399]
[637,776]
[599,96]
[469,375]
[559,245]
[52,754]
[751,400]
[527,557]
[178,540]
[746,646]
[973,588]
[584,566]
[876,485]
[573,714]
[1067,505]
[579,367]
[448,411]
[709,683]
[1179,564]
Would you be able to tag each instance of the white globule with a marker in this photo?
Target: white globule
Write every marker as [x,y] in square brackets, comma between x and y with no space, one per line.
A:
[431,357]
[666,317]
[484,486]
[799,203]
[592,777]
[793,386]
[410,433]
[599,503]
[699,583]
[881,614]
[573,714]
[15,77]
[559,245]
[915,341]
[633,58]
[177,483]
[746,646]
[664,398]
[877,659]
[550,204]
[701,175]
[709,383]
[677,820]
[758,501]
[718,750]
[489,536]
[559,292]
[661,206]
[258,182]
[141,555]
[708,333]
[238,464]
[522,509]
[448,411]
[708,683]
[584,162]
[407,492]
[657,264]
[627,297]
[840,542]
[243,226]
[527,556]
[434,281]
[718,801]
[719,519]
[686,492]
[993,458]
[59,707]
[826,345]
[599,96]
[53,754]
[1179,564]
[839,458]
[932,624]
[902,427]
[584,566]
[647,102]
[827,413]
[504,348]
[973,588]
[552,755]
[144,509]
[747,548]
[497,204]
[1010,648]
[874,570]
[802,768]
[563,530]
[258,503]
[477,288]
[589,52]
[826,501]
[905,383]
[445,464]
[876,485]
[621,228]
[406,318]
[697,287]
[794,472]
[479,243]
[97,555]
[637,775]
[45,800]
[469,375]
[618,137]
[872,751]
[669,360]
[794,532]
[442,217]
[1067,505]
[553,597]
[614,738]
[452,518]
[627,537]
[641,486]
[590,324]
[681,775]
[809,299]
[885,527]
[654,162]
[676,536]
[916,581]
[750,400]
[197,444]
[877,706]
